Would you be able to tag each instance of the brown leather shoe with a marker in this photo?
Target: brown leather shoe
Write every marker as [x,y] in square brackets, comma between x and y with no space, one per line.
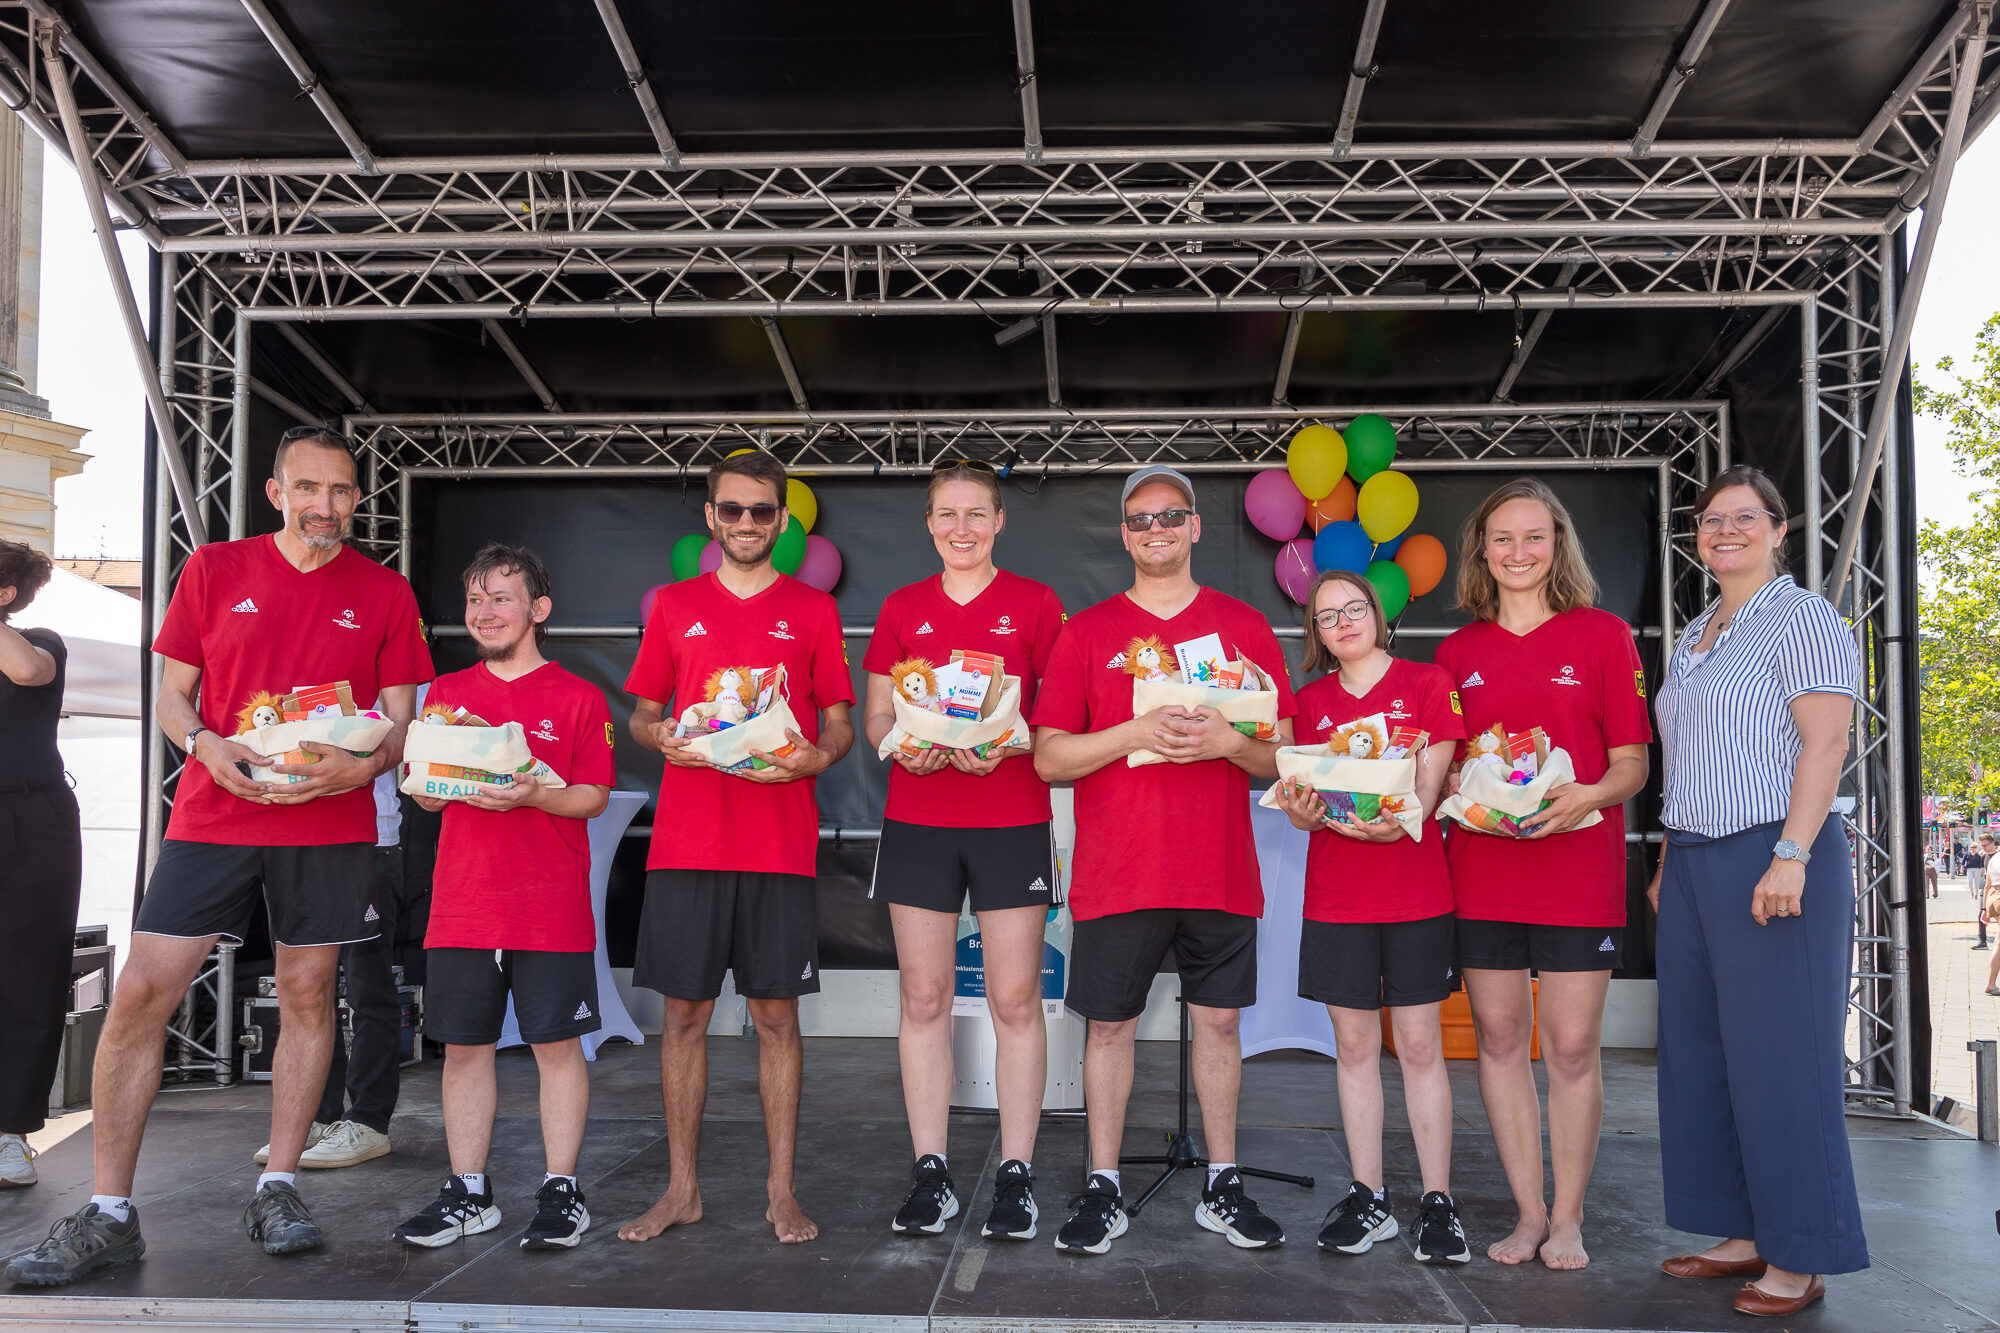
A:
[1755,1300]
[1695,1265]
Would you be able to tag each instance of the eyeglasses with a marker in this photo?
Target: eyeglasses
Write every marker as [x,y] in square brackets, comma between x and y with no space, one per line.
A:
[1356,611]
[316,433]
[763,515]
[1166,518]
[1743,520]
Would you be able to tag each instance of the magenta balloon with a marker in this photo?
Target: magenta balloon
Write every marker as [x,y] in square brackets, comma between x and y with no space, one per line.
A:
[820,567]
[711,558]
[1295,568]
[1274,505]
[646,601]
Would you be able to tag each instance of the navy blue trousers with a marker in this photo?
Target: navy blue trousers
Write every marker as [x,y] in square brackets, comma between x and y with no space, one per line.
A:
[1753,1132]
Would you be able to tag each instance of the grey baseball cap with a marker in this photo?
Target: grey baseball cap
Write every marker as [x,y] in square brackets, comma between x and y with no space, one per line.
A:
[1157,472]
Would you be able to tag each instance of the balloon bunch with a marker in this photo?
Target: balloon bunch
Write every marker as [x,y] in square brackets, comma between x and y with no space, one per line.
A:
[1359,510]
[811,560]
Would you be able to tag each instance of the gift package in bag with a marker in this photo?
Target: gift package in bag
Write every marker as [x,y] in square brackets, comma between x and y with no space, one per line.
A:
[1365,771]
[1196,674]
[1505,778]
[448,753]
[970,703]
[276,726]
[745,709]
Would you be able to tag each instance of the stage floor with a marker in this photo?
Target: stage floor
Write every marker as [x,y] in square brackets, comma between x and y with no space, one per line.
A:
[1929,1202]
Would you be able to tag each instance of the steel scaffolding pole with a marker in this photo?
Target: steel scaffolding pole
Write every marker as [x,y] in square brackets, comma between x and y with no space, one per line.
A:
[1358,74]
[1678,76]
[1024,73]
[642,86]
[311,86]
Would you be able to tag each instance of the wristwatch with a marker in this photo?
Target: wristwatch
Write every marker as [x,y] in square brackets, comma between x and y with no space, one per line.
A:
[1787,850]
[187,744]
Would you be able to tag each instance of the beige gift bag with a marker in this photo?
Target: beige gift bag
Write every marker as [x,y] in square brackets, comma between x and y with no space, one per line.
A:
[1487,802]
[1391,783]
[731,747]
[1258,707]
[358,733]
[999,725]
[448,763]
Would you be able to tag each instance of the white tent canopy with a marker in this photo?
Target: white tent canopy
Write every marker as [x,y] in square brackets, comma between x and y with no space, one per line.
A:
[101,630]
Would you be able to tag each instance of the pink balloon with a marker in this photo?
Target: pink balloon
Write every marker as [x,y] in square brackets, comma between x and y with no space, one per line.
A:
[1295,568]
[711,558]
[820,567]
[1274,505]
[646,602]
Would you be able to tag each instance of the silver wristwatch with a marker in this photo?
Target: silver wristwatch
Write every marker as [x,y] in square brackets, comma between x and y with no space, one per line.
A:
[188,740]
[1787,850]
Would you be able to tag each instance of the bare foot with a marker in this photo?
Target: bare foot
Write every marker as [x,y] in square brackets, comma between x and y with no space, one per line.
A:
[676,1208]
[1520,1244]
[792,1226]
[1563,1250]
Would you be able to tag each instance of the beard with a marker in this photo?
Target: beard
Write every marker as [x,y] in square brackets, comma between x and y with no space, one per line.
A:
[763,550]
[323,543]
[500,652]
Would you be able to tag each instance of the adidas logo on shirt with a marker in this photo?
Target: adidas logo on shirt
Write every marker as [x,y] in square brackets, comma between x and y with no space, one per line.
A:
[1607,946]
[582,1012]
[1038,886]
[1325,723]
[245,605]
[693,631]
[807,975]
[924,628]
[1470,681]
[371,914]
[1117,663]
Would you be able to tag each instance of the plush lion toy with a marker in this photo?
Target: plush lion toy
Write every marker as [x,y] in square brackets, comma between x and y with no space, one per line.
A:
[1146,658]
[735,689]
[916,680]
[1359,740]
[263,710]
[438,715]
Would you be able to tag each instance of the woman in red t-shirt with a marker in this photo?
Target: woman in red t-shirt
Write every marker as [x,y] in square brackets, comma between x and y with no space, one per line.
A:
[1540,654]
[956,823]
[1378,927]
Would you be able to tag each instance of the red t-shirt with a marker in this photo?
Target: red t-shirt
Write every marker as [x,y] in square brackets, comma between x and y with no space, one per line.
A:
[1015,619]
[254,623]
[1163,835]
[1379,881]
[521,880]
[1577,677]
[706,819]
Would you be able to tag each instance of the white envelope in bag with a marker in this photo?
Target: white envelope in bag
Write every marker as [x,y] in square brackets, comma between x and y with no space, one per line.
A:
[1259,706]
[1487,785]
[999,723]
[449,762]
[1393,779]
[358,734]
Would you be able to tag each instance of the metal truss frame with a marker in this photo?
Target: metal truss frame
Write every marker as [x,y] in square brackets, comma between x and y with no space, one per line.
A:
[1030,233]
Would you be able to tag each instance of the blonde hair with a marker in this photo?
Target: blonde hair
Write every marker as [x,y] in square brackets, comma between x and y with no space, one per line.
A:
[1319,657]
[1570,584]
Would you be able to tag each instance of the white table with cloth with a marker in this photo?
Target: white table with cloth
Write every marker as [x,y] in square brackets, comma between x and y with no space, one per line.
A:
[1280,1020]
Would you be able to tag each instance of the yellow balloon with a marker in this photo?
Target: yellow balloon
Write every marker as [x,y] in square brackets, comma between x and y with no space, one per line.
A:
[1386,505]
[1316,459]
[801,501]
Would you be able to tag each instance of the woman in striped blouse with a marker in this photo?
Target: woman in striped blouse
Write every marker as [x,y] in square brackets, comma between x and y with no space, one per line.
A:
[1755,896]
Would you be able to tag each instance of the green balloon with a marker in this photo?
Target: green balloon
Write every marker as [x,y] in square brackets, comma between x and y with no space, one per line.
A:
[1371,446]
[686,559]
[791,547]
[1392,585]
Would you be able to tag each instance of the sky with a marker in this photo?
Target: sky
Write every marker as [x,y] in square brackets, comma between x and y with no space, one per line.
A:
[90,379]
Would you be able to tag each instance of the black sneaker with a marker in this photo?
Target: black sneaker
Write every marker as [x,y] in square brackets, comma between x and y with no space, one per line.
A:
[86,1240]
[279,1218]
[1225,1208]
[455,1212]
[1098,1220]
[931,1203]
[1013,1216]
[1357,1222]
[1440,1238]
[560,1217]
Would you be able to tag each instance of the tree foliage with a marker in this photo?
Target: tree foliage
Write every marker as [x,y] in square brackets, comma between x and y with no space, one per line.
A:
[1959,596]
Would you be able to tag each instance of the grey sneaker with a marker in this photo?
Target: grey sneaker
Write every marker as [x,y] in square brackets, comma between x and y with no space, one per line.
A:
[279,1218]
[314,1134]
[345,1143]
[81,1243]
[17,1162]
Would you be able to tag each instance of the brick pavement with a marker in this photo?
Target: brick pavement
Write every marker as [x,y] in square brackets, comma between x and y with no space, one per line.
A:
[1961,1010]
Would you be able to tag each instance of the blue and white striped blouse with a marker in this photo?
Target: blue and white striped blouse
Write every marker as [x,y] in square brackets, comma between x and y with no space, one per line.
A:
[1726,728]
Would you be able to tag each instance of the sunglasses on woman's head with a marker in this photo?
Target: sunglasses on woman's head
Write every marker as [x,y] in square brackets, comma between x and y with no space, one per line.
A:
[976,464]
[763,515]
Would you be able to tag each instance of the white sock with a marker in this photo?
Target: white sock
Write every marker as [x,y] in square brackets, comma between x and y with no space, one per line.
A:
[1111,1175]
[116,1206]
[1382,1195]
[282,1177]
[1215,1169]
[547,1176]
[475,1181]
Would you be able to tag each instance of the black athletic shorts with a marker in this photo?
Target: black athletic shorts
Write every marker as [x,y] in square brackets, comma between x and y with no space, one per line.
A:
[1363,965]
[1114,959]
[919,865]
[698,924]
[465,994]
[316,895]
[1510,946]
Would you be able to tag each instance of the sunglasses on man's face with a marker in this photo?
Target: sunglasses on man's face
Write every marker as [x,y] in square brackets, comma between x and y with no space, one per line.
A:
[1166,518]
[763,515]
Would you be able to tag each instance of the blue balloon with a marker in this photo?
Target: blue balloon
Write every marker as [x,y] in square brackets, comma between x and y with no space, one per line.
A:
[1343,545]
[1387,550]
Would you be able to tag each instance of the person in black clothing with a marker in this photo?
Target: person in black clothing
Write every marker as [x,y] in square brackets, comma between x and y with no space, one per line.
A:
[41,846]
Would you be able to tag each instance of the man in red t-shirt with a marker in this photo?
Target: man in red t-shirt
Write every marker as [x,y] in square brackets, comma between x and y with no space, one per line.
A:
[510,906]
[261,616]
[729,877]
[1164,857]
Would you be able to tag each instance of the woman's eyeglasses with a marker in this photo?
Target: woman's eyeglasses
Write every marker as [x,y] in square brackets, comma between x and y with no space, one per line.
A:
[1166,518]
[763,515]
[1743,520]
[1356,610]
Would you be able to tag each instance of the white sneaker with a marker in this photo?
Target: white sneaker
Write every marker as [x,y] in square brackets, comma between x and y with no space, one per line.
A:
[17,1162]
[344,1144]
[313,1136]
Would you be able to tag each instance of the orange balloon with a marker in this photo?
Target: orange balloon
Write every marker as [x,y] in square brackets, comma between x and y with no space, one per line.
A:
[1337,507]
[1422,558]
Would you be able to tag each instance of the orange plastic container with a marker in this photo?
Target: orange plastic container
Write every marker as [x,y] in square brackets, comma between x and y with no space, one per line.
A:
[1455,1020]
